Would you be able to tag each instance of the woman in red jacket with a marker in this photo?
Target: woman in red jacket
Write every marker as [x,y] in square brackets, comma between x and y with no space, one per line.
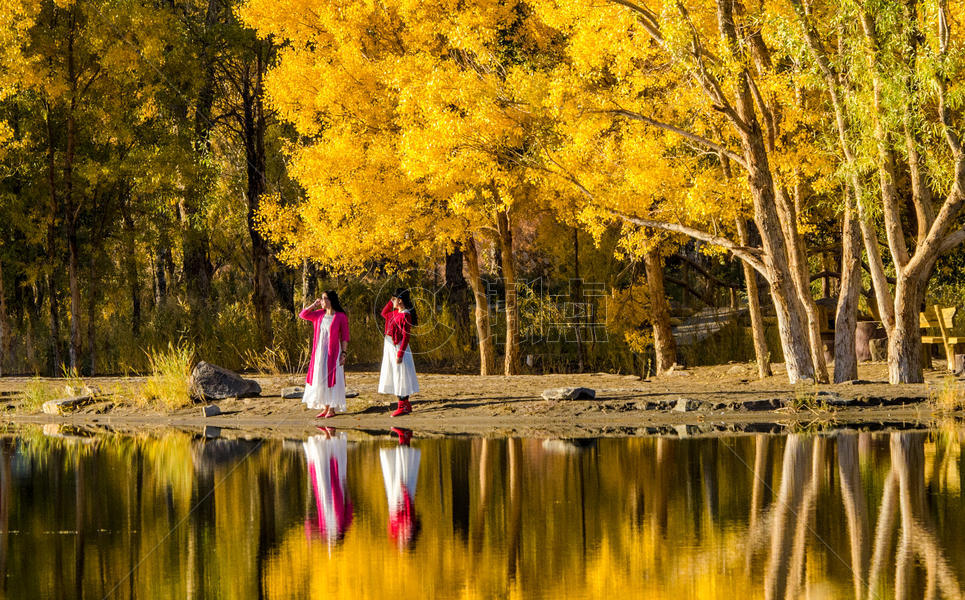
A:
[325,382]
[398,370]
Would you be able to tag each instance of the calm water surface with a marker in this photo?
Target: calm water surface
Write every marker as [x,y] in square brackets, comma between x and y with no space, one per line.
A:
[840,515]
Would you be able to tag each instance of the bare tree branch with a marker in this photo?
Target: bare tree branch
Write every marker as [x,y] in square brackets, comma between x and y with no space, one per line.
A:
[750,255]
[681,132]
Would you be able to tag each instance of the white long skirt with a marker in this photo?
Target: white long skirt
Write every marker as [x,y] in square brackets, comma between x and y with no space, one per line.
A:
[317,393]
[400,473]
[398,379]
[320,454]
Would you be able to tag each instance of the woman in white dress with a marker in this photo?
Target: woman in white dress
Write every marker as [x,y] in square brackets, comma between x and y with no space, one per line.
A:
[326,456]
[398,376]
[400,473]
[325,381]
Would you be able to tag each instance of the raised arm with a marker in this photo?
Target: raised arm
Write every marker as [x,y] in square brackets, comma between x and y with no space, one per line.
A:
[309,313]
[387,310]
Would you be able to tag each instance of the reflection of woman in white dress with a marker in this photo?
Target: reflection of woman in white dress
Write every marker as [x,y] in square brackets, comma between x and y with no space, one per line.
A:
[400,472]
[325,382]
[326,457]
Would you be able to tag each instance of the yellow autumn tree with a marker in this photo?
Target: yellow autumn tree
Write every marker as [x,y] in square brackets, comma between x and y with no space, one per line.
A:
[700,74]
[416,135]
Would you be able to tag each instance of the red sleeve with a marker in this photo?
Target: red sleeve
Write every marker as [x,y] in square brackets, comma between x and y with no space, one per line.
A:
[309,315]
[406,322]
[387,311]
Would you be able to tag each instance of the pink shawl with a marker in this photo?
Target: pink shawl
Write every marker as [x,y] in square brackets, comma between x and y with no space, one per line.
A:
[337,333]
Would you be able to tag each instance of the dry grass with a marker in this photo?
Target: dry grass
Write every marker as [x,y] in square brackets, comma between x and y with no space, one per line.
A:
[274,361]
[806,397]
[950,397]
[39,391]
[169,384]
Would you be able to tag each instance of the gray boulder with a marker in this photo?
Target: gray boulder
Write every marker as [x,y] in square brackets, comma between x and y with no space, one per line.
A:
[216,383]
[578,393]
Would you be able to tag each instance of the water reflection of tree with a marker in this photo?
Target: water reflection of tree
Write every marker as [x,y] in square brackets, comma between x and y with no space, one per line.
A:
[112,517]
[918,538]
[502,518]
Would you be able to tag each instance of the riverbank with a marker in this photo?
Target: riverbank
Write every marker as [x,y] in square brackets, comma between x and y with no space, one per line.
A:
[721,399]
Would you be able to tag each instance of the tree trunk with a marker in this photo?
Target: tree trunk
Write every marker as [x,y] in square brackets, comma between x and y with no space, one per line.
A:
[791,319]
[70,208]
[456,285]
[92,298]
[55,362]
[308,282]
[845,320]
[664,345]
[511,362]
[74,282]
[578,300]
[754,308]
[487,354]
[4,331]
[254,138]
[792,324]
[904,345]
[802,281]
[197,267]
[133,279]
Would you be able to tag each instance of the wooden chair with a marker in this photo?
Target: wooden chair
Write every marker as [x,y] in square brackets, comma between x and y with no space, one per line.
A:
[938,325]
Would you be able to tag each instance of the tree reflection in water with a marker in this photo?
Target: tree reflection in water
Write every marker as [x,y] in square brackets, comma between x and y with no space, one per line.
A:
[831,515]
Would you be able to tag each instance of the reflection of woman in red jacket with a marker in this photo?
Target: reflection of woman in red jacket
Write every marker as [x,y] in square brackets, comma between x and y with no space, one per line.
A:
[398,369]
[400,473]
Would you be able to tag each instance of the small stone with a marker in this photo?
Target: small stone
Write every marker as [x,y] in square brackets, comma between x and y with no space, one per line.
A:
[736,369]
[292,392]
[579,393]
[210,410]
[351,394]
[686,405]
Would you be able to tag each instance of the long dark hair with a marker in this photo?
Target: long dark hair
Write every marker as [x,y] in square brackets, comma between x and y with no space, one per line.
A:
[403,295]
[332,296]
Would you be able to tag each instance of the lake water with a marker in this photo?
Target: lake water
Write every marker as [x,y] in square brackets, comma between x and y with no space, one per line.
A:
[839,515]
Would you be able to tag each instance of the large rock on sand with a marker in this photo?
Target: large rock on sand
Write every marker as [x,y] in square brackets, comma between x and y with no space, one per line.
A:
[215,383]
[577,393]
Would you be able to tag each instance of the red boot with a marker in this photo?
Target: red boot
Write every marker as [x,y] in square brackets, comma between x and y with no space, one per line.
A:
[404,408]
[405,435]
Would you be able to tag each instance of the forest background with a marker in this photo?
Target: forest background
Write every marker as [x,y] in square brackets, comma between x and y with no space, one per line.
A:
[557,181]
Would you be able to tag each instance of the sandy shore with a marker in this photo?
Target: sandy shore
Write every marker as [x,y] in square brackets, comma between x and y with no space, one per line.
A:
[717,400]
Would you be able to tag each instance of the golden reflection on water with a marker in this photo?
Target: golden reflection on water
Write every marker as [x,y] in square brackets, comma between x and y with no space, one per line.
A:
[178,516]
